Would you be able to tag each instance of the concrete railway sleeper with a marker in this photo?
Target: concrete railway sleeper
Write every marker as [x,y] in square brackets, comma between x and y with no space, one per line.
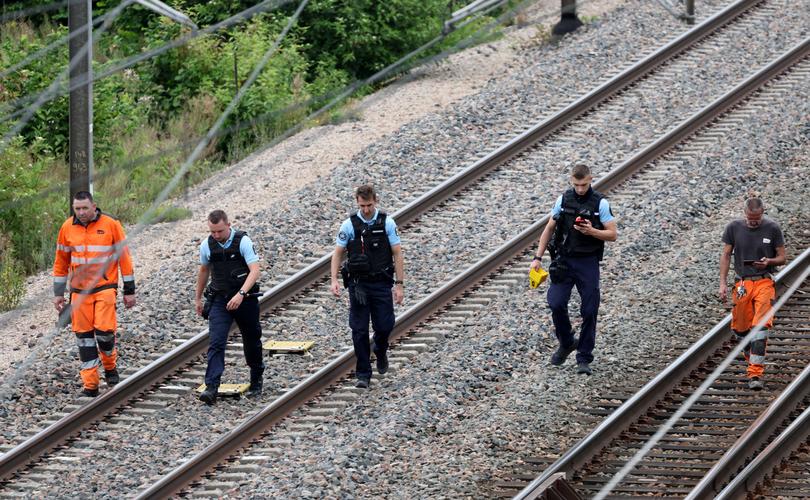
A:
[287,296]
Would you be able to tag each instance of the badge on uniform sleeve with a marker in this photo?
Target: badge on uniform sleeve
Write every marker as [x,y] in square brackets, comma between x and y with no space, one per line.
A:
[342,236]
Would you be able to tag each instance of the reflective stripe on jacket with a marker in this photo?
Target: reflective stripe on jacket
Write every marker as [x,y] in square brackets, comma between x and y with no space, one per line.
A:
[85,256]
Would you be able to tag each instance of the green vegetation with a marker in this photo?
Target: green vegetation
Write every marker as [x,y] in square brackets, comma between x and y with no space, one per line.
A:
[148,118]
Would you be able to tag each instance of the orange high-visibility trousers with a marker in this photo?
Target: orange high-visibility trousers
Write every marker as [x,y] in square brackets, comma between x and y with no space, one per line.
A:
[748,311]
[94,323]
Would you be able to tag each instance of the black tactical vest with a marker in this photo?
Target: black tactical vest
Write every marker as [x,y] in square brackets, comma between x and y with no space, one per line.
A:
[567,240]
[370,256]
[228,267]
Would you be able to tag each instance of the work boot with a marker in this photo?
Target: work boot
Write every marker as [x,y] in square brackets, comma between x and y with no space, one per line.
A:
[209,395]
[90,393]
[256,380]
[562,353]
[382,363]
[755,384]
[362,383]
[111,377]
[583,369]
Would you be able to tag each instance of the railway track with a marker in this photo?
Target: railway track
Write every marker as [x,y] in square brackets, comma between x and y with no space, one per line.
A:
[143,395]
[415,331]
[716,436]
[781,469]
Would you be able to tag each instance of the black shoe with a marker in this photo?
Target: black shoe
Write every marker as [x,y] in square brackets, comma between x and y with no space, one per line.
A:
[254,390]
[112,377]
[362,383]
[256,380]
[382,363]
[90,393]
[583,368]
[209,395]
[755,384]
[562,353]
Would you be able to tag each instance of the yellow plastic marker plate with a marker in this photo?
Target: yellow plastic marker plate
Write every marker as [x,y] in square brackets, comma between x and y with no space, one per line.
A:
[228,389]
[288,346]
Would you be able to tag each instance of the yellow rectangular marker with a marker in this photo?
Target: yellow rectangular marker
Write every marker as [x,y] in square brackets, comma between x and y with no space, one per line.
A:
[228,389]
[288,346]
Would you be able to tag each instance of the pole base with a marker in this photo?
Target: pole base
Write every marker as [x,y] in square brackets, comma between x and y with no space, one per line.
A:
[567,24]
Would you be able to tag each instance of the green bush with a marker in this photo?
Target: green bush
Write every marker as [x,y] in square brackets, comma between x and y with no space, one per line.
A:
[12,276]
[31,219]
[149,117]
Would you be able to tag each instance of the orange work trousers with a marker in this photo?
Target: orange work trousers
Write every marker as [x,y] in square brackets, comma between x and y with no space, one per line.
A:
[749,308]
[94,323]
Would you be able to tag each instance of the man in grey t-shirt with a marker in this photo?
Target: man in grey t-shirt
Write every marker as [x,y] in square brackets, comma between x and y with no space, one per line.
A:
[758,247]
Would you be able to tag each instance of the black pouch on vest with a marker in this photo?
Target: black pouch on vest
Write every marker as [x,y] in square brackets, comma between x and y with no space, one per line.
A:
[359,264]
[558,271]
[209,296]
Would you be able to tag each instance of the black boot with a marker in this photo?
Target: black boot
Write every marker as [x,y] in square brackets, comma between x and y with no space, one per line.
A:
[90,393]
[209,395]
[112,377]
[382,362]
[256,379]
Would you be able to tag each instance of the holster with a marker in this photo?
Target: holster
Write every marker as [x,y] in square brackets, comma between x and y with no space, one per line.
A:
[558,271]
[209,298]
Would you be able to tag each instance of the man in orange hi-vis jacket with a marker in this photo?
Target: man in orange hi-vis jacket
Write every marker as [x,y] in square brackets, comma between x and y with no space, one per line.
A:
[90,248]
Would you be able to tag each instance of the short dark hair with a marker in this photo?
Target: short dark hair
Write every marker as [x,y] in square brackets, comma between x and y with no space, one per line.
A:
[366,191]
[580,171]
[754,204]
[83,195]
[218,216]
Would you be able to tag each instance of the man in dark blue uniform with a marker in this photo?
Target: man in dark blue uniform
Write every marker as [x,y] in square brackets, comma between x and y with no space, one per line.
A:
[373,265]
[228,257]
[580,225]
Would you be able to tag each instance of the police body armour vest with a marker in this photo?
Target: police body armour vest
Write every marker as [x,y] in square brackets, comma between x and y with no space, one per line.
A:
[370,253]
[228,267]
[570,241]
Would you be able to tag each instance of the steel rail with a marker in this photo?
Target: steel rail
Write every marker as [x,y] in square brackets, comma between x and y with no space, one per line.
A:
[674,373]
[151,374]
[621,419]
[770,458]
[752,439]
[249,430]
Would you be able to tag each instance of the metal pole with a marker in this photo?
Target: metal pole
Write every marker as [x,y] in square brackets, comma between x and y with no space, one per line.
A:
[690,12]
[568,18]
[80,115]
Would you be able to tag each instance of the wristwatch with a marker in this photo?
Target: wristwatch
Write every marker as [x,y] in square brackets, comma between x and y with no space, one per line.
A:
[398,282]
[242,293]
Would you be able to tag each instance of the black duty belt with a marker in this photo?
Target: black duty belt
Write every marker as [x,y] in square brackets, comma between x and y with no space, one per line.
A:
[94,290]
[756,277]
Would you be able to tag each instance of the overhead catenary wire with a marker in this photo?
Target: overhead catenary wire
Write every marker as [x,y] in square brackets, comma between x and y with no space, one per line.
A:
[74,61]
[388,71]
[50,94]
[687,404]
[36,353]
[32,11]
[51,46]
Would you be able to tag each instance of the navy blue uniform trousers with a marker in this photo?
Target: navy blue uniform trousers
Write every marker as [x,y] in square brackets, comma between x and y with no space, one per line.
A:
[219,322]
[380,307]
[584,274]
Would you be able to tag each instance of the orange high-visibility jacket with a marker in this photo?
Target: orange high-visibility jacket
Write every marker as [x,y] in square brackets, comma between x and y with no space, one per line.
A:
[88,255]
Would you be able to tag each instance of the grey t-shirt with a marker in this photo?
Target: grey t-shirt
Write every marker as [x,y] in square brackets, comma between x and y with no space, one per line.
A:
[753,244]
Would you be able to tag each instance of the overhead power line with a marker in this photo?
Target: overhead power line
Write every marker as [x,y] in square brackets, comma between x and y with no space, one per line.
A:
[49,94]
[32,11]
[45,340]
